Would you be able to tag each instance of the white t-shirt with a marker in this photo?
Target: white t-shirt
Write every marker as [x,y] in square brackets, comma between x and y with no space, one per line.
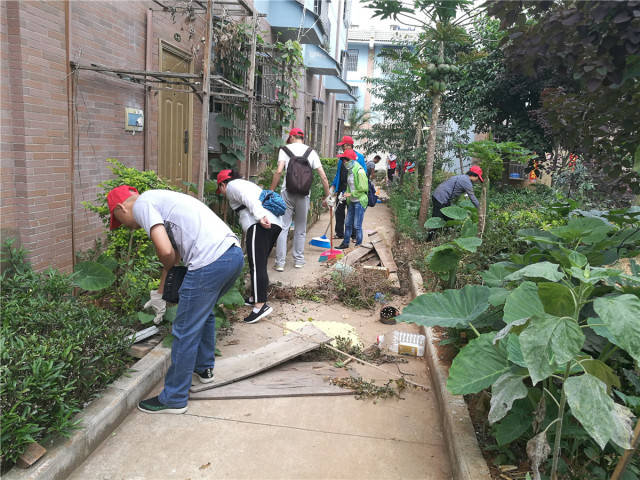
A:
[242,192]
[298,149]
[197,233]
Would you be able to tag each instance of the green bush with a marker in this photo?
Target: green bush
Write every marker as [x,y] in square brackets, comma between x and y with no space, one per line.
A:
[56,352]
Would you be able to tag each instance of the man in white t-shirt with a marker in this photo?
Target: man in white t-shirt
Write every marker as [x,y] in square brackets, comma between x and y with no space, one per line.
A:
[182,227]
[297,203]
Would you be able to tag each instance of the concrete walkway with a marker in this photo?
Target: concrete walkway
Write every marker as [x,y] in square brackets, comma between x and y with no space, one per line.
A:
[288,438]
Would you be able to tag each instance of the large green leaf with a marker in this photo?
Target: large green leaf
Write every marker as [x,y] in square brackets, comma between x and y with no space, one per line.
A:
[537,235]
[556,298]
[451,308]
[545,270]
[515,424]
[108,261]
[535,342]
[434,222]
[593,275]
[567,339]
[506,390]
[621,316]
[494,277]
[595,410]
[470,244]
[455,212]
[444,258]
[601,371]
[92,276]
[585,229]
[469,228]
[514,351]
[233,298]
[478,365]
[523,302]
[498,296]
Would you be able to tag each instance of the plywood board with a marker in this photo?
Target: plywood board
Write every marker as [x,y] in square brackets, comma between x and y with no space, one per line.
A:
[232,369]
[384,252]
[292,379]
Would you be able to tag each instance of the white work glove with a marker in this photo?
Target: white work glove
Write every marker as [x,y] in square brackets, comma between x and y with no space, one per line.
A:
[331,201]
[332,190]
[157,304]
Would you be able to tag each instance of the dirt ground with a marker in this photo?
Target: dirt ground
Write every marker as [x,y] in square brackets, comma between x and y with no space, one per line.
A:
[290,438]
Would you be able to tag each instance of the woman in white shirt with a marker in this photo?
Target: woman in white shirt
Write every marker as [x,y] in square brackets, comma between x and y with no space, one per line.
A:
[261,227]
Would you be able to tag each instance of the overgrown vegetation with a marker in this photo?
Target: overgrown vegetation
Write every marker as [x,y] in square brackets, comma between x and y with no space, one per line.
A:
[57,351]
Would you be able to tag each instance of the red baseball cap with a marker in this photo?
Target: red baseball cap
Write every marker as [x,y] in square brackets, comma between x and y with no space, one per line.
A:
[346,140]
[296,132]
[350,154]
[478,171]
[222,176]
[114,197]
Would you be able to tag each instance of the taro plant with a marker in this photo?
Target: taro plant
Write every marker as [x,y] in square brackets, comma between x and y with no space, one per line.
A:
[568,321]
[445,259]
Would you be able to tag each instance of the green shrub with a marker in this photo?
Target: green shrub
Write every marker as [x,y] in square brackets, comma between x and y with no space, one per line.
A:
[56,352]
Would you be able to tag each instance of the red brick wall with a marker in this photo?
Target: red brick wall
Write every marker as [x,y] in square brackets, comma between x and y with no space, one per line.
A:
[36,164]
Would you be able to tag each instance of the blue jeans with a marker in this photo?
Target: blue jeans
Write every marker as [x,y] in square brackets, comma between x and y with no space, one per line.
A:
[194,329]
[355,215]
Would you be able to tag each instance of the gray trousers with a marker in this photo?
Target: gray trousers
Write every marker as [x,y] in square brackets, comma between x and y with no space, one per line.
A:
[297,210]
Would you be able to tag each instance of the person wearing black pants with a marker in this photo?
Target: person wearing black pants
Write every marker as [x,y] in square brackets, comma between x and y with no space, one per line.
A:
[262,229]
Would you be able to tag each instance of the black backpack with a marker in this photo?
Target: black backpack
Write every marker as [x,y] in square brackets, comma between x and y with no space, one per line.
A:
[299,172]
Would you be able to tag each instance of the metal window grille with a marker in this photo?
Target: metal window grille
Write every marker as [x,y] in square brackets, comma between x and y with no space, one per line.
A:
[317,7]
[317,121]
[352,60]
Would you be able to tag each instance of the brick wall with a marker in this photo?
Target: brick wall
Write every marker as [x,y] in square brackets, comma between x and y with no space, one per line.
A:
[36,165]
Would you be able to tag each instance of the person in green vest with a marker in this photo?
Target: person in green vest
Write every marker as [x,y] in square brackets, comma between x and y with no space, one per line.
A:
[357,197]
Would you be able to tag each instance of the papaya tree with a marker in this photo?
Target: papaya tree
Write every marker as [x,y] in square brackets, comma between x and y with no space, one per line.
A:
[442,26]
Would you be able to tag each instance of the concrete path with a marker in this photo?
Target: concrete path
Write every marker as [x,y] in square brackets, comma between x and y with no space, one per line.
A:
[288,438]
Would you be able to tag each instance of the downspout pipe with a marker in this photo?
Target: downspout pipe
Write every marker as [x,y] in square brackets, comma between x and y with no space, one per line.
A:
[70,125]
[147,94]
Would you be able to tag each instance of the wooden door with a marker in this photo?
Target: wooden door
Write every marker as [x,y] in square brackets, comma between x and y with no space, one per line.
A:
[175,120]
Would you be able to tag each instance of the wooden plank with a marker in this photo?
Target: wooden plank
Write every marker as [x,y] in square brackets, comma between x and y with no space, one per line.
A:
[139,350]
[380,272]
[384,252]
[31,455]
[232,369]
[355,255]
[293,379]
[373,261]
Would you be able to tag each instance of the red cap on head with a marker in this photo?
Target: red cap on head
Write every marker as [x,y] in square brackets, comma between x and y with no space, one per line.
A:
[349,154]
[296,132]
[114,197]
[478,171]
[346,140]
[222,176]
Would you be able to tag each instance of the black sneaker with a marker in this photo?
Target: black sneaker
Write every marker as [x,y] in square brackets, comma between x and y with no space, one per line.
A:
[253,317]
[342,246]
[338,235]
[249,301]
[204,376]
[153,405]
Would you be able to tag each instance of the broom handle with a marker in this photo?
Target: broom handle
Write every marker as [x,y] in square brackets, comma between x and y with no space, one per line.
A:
[331,226]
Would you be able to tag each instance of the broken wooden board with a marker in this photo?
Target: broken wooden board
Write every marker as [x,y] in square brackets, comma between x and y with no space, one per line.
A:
[378,272]
[373,261]
[232,369]
[293,379]
[139,350]
[355,255]
[384,252]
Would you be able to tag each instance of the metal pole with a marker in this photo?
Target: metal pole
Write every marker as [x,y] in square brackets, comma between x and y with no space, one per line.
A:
[251,85]
[71,126]
[147,94]
[206,89]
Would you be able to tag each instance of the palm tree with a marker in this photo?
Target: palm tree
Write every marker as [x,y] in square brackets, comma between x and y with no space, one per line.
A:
[356,120]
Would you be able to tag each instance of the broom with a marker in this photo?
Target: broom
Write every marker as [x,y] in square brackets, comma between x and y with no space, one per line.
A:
[322,241]
[331,253]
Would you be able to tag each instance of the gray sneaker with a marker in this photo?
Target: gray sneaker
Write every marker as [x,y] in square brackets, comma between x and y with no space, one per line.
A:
[278,268]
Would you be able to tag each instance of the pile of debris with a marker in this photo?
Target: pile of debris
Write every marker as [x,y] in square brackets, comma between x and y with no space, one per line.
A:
[375,256]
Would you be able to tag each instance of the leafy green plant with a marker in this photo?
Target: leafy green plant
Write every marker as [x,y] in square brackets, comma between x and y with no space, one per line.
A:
[566,318]
[56,352]
[445,259]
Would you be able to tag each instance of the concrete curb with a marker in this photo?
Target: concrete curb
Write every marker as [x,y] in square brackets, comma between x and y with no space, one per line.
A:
[99,419]
[467,462]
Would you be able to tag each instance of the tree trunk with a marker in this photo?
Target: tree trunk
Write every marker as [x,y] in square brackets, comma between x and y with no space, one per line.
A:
[431,151]
[418,145]
[482,210]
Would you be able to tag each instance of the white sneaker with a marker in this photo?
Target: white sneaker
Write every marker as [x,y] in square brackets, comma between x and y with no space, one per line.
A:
[298,265]
[278,268]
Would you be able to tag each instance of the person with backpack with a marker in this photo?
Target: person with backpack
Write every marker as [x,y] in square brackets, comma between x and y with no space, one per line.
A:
[357,195]
[339,184]
[298,161]
[260,216]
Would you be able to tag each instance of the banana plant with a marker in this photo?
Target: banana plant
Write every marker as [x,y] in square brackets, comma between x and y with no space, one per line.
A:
[558,302]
